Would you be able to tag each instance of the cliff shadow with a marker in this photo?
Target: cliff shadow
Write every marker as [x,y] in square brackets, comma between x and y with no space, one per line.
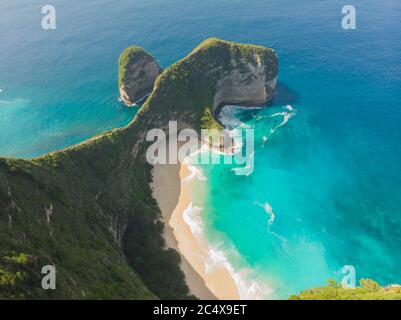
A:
[284,95]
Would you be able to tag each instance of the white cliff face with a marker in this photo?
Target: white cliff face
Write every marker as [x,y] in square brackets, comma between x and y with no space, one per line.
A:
[249,85]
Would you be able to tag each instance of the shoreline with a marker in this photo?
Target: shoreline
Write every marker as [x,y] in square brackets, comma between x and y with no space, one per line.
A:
[172,193]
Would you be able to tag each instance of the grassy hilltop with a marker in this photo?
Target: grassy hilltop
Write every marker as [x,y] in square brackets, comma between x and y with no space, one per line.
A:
[129,54]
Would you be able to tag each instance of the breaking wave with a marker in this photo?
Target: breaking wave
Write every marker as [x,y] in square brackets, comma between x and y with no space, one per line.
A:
[248,287]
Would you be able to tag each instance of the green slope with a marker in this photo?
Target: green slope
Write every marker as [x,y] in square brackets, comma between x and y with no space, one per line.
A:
[89,211]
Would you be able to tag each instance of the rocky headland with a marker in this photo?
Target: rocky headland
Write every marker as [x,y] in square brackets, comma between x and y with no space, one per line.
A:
[89,209]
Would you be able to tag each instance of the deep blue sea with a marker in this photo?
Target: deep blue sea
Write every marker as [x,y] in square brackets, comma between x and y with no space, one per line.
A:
[326,191]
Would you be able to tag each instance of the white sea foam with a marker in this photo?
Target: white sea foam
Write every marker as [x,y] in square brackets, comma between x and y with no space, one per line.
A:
[291,112]
[278,114]
[228,119]
[228,116]
[16,102]
[269,210]
[289,108]
[192,218]
[196,172]
[264,140]
[288,114]
[286,117]
[205,148]
[248,287]
[11,102]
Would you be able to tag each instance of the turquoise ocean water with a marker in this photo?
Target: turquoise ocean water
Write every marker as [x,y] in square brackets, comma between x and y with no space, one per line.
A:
[326,188]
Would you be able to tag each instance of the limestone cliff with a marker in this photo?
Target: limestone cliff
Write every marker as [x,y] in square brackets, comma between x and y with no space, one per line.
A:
[138,71]
[89,209]
[216,73]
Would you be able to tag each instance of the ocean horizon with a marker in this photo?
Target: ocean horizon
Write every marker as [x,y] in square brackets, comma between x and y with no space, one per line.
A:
[325,191]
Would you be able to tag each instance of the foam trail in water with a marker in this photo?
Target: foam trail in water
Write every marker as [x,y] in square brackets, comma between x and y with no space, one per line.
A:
[289,108]
[269,210]
[228,116]
[18,101]
[264,139]
[283,241]
[286,116]
[7,102]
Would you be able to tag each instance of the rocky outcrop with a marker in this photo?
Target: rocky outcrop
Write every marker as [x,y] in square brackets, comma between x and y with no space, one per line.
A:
[138,71]
[100,225]
[252,87]
[249,83]
[215,74]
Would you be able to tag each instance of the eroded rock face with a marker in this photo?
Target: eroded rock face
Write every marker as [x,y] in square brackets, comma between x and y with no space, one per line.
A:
[102,185]
[138,71]
[215,74]
[252,86]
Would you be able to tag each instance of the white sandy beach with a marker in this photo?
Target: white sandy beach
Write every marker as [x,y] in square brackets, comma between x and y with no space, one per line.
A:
[172,194]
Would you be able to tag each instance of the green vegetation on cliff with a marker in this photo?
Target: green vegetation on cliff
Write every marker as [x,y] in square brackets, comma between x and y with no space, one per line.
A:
[89,209]
[368,290]
[137,72]
[62,216]
[208,120]
[127,56]
[185,89]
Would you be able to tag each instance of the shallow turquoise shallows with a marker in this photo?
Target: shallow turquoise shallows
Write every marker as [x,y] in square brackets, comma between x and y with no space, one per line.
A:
[326,190]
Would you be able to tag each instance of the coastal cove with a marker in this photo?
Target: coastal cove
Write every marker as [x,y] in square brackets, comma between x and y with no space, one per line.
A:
[76,189]
[217,283]
[127,222]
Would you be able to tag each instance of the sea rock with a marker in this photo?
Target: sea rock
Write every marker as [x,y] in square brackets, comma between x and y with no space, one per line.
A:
[138,71]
